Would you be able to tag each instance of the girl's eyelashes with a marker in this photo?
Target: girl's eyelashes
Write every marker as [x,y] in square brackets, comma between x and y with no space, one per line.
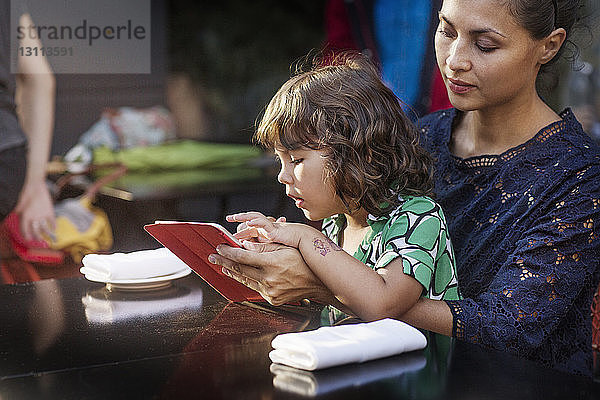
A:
[288,158]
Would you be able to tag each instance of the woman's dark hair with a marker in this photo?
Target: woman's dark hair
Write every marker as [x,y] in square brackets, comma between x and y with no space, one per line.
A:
[541,17]
[341,105]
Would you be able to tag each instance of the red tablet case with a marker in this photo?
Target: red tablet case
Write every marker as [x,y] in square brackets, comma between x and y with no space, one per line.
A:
[35,251]
[193,242]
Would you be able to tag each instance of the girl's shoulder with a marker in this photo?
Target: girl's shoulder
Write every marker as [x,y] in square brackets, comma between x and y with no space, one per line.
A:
[412,208]
[418,205]
[410,201]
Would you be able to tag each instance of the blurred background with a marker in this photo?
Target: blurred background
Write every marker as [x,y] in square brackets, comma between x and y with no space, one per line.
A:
[215,64]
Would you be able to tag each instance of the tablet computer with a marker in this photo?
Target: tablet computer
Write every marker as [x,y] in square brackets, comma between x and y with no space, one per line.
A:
[193,242]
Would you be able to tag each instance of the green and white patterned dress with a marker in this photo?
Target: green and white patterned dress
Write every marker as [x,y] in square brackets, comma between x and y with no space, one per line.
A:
[416,231]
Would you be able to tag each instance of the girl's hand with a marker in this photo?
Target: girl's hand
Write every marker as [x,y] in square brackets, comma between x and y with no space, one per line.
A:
[243,226]
[262,229]
[245,231]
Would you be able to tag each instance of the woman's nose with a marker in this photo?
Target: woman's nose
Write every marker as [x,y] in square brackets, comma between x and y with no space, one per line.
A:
[458,56]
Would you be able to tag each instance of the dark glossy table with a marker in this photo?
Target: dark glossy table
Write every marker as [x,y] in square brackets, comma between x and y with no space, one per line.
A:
[73,339]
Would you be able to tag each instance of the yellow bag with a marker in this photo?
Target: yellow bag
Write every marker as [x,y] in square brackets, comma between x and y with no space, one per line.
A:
[81,228]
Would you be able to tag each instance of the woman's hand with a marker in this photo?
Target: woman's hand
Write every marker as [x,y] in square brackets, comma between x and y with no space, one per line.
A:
[36,211]
[277,272]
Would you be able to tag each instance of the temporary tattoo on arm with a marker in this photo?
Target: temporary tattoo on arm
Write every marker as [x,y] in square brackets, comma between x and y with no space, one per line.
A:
[325,246]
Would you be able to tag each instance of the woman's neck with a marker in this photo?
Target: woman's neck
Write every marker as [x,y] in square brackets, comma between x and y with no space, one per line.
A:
[495,130]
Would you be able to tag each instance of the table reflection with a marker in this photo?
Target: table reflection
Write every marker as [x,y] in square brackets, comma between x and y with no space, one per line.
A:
[226,357]
[103,306]
[46,316]
[313,383]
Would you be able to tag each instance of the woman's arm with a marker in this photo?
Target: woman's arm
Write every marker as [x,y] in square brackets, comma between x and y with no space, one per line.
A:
[281,276]
[539,297]
[431,315]
[35,92]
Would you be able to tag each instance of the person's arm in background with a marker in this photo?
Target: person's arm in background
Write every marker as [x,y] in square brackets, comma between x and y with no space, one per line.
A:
[35,96]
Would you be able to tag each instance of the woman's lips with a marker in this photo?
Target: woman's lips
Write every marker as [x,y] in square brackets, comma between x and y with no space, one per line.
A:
[459,87]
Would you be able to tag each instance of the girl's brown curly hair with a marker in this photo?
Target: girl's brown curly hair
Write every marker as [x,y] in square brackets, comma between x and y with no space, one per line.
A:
[340,104]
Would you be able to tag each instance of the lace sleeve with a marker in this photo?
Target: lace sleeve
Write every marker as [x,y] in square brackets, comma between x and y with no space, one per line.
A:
[551,267]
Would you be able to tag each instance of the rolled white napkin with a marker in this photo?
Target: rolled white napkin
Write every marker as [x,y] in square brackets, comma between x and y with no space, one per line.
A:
[344,344]
[142,264]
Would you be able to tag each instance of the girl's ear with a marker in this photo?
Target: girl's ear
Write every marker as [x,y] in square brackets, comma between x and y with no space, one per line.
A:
[551,44]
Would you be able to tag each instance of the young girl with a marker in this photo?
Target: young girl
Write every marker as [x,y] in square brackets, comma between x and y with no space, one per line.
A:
[350,156]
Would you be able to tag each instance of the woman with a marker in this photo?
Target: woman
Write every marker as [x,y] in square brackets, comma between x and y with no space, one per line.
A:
[519,185]
[26,120]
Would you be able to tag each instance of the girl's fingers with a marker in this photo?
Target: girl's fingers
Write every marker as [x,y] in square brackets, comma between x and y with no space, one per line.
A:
[244,217]
[260,223]
[248,233]
[241,227]
[253,234]
[254,226]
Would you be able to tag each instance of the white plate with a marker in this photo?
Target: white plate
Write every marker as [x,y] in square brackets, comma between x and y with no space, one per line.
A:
[140,284]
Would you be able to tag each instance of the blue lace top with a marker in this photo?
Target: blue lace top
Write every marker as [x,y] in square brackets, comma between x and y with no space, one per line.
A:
[525,226]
